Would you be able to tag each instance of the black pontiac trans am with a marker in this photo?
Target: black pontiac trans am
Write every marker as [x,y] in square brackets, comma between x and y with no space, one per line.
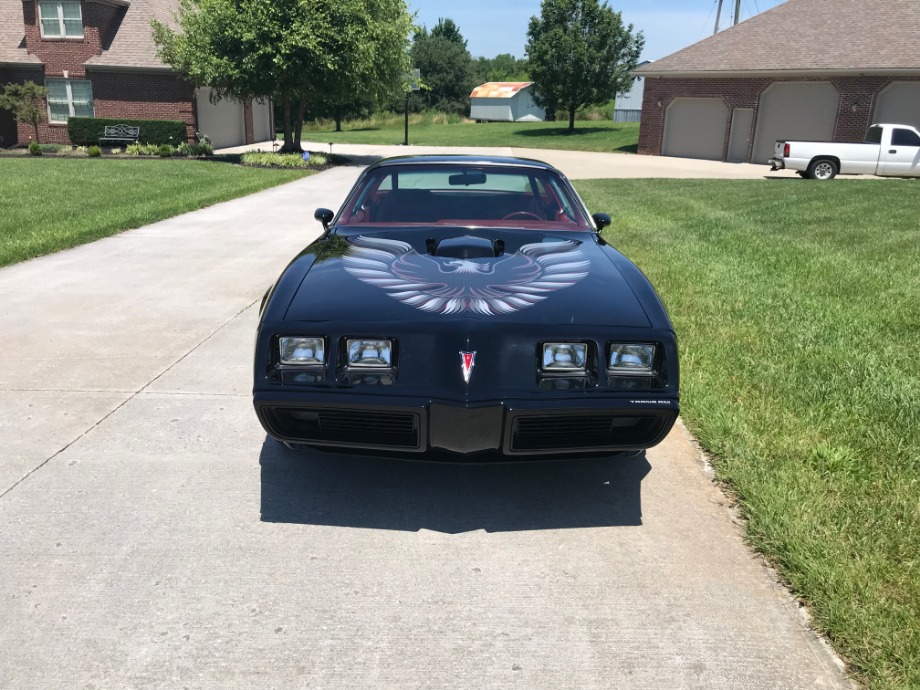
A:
[465,304]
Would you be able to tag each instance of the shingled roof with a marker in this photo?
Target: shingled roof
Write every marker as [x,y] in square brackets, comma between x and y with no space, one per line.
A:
[133,46]
[13,35]
[804,37]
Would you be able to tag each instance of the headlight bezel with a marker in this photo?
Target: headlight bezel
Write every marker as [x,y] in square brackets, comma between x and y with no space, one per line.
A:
[314,363]
[649,366]
[586,358]
[345,353]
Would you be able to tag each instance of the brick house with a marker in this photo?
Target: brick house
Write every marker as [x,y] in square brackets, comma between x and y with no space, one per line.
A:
[97,58]
[806,69]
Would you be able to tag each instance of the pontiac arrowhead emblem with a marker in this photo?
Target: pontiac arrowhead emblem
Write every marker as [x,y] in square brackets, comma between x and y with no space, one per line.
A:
[468,359]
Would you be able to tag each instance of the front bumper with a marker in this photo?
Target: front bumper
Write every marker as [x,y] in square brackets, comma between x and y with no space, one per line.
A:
[521,427]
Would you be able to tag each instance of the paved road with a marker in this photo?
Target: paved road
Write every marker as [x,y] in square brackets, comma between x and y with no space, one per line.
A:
[151,537]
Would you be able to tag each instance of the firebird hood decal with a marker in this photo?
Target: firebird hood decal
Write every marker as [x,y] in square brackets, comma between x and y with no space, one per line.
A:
[486,286]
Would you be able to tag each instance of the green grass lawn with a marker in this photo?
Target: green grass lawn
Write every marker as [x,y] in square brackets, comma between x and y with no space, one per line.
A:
[589,135]
[797,306]
[52,204]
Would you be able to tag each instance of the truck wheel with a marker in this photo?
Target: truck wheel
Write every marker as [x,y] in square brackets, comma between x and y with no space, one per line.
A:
[822,169]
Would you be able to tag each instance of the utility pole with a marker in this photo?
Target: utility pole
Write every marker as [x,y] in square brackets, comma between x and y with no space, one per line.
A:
[719,15]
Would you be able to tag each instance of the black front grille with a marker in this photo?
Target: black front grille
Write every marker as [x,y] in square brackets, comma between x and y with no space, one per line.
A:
[351,427]
[583,431]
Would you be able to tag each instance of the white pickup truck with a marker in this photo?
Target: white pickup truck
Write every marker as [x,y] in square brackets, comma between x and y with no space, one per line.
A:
[889,150]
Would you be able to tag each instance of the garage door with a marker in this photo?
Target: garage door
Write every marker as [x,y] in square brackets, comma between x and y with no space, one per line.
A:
[695,128]
[800,110]
[222,121]
[261,120]
[899,104]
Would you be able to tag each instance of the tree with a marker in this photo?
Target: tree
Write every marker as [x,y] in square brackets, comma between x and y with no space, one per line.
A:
[289,50]
[580,54]
[446,66]
[369,75]
[503,67]
[26,102]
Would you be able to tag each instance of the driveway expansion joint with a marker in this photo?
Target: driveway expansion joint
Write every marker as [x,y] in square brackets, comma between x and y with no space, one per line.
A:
[131,396]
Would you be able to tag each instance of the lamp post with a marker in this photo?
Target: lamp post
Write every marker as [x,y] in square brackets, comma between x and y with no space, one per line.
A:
[414,79]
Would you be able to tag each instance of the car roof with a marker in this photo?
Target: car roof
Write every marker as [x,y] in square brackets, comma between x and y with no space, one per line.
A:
[463,159]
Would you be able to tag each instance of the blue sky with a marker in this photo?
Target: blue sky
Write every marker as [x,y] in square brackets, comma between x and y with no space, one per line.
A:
[500,26]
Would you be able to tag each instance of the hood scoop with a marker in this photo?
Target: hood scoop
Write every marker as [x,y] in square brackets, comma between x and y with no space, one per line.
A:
[466,247]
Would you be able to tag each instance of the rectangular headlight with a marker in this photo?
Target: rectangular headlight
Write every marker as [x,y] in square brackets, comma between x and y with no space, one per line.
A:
[565,357]
[369,352]
[302,351]
[631,359]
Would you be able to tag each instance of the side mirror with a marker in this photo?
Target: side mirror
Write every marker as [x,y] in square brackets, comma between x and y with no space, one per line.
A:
[601,220]
[324,216]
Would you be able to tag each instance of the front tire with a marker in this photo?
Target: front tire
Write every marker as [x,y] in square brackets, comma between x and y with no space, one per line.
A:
[823,169]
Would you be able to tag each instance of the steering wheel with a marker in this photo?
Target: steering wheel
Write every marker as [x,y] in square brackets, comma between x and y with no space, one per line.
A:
[521,214]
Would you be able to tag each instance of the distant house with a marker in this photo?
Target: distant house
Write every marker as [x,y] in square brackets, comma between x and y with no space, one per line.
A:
[505,101]
[628,106]
[806,69]
[97,58]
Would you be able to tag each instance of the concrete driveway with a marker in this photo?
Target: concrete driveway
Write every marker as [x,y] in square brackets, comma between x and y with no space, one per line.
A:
[577,165]
[152,537]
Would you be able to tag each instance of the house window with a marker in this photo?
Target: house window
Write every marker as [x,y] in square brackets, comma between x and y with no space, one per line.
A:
[69,98]
[60,18]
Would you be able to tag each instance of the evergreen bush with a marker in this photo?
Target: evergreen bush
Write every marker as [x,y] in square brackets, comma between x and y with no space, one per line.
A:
[87,131]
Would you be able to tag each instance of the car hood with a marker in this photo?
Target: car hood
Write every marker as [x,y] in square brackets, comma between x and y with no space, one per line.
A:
[437,274]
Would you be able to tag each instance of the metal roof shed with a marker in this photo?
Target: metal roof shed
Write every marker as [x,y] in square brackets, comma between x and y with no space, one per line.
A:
[505,101]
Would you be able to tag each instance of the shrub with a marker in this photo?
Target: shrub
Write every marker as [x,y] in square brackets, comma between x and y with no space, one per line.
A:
[165,151]
[93,152]
[142,149]
[202,149]
[282,160]
[53,148]
[115,151]
[35,148]
[89,130]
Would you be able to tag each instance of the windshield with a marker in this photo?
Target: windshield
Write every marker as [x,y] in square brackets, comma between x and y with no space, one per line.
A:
[464,194]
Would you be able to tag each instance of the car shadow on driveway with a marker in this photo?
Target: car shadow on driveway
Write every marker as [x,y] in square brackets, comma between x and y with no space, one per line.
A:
[316,488]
